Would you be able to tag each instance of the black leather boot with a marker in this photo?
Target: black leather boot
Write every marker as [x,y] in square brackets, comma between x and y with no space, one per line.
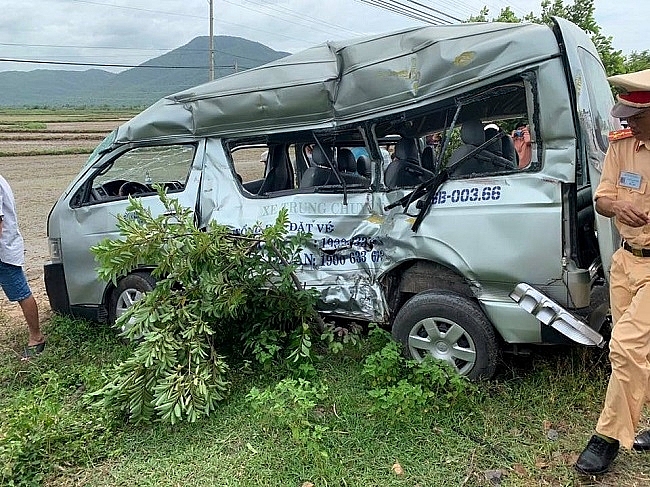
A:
[597,457]
[642,441]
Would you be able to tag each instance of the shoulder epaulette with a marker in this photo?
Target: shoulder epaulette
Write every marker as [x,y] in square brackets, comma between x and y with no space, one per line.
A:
[619,134]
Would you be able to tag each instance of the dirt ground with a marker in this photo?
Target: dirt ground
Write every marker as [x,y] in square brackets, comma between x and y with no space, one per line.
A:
[37,182]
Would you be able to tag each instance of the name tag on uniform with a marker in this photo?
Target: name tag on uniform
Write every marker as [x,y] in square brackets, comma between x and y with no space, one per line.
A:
[629,180]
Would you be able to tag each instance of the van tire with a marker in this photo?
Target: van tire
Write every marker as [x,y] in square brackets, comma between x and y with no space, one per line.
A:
[472,349]
[129,290]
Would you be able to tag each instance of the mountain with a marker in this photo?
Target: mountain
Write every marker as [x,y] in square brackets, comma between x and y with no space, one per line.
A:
[174,71]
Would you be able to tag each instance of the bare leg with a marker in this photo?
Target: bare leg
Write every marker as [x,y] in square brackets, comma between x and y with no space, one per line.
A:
[30,310]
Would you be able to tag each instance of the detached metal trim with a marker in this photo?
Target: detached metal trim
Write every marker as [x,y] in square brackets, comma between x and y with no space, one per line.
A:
[552,314]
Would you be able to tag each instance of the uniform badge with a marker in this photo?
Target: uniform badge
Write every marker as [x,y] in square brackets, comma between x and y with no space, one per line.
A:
[619,134]
[629,180]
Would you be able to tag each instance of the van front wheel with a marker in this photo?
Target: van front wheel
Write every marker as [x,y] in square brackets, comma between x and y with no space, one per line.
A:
[129,290]
[449,327]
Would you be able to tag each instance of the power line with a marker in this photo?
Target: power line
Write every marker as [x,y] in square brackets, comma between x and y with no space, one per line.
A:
[417,11]
[71,63]
[440,12]
[295,14]
[218,21]
[424,12]
[201,51]
[459,8]
[139,9]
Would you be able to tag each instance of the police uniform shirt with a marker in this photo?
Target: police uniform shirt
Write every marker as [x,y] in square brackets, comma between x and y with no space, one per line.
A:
[626,177]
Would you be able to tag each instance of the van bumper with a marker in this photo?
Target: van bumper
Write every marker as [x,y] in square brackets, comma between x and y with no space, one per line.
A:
[55,286]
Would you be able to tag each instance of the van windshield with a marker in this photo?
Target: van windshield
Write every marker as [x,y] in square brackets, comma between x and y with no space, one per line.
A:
[103,146]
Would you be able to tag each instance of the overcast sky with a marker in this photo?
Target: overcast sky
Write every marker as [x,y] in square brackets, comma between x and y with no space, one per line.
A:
[129,32]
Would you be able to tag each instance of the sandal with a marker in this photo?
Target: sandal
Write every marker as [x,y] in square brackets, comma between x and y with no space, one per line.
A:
[32,351]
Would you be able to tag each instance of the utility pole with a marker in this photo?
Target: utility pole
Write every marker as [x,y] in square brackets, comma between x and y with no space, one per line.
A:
[211,76]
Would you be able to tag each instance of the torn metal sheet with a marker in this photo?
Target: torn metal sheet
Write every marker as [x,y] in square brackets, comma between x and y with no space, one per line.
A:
[345,81]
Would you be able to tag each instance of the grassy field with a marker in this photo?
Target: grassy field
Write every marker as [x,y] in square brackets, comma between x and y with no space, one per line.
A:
[523,428]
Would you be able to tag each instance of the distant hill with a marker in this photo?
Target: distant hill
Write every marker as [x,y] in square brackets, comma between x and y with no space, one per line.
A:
[139,86]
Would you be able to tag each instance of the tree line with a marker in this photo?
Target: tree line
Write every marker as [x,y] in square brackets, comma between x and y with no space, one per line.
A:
[581,13]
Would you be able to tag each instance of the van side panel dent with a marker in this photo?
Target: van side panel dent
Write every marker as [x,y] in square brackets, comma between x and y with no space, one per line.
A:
[343,257]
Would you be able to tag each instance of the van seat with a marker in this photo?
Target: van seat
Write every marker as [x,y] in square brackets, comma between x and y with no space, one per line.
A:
[363,166]
[429,159]
[405,169]
[319,173]
[347,165]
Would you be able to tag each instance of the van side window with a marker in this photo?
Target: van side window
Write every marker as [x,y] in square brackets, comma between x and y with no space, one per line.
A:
[493,133]
[264,169]
[138,170]
[599,99]
[301,165]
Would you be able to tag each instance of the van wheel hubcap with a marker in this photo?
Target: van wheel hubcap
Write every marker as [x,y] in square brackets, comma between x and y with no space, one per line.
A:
[443,339]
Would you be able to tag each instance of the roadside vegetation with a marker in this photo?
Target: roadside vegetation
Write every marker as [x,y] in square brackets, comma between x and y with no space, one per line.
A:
[345,410]
[363,417]
[249,389]
[583,14]
[46,152]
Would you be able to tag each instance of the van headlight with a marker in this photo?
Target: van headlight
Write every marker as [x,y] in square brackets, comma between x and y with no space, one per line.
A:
[54,246]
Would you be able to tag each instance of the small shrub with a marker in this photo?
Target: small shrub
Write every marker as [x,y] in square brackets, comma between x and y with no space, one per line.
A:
[214,287]
[402,385]
[291,405]
[384,367]
[31,126]
[337,337]
[402,397]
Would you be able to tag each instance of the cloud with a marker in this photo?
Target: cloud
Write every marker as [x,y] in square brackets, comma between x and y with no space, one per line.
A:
[134,31]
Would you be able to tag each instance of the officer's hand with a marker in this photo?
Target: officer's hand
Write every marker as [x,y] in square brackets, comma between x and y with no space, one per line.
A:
[628,214]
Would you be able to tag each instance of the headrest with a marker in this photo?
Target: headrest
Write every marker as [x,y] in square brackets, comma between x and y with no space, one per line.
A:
[363,165]
[496,146]
[472,132]
[407,150]
[346,161]
[490,132]
[318,156]
[429,159]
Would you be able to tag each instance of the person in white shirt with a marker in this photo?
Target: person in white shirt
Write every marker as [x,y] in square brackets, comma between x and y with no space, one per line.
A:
[12,277]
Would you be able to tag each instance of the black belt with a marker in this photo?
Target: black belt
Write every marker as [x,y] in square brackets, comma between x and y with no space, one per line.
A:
[637,252]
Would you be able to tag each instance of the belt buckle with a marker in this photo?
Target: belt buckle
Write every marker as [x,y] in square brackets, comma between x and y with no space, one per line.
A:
[637,252]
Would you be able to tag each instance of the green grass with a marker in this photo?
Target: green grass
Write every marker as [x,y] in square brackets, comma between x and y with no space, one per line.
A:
[25,126]
[529,424]
[47,152]
[71,114]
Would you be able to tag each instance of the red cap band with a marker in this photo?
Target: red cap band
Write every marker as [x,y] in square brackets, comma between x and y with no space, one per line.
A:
[636,98]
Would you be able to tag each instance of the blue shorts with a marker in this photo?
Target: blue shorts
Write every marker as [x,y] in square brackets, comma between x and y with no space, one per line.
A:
[13,282]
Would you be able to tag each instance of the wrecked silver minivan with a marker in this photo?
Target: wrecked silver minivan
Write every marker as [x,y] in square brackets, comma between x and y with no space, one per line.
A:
[456,247]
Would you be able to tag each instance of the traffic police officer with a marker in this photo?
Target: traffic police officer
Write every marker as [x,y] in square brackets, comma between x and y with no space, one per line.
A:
[624,194]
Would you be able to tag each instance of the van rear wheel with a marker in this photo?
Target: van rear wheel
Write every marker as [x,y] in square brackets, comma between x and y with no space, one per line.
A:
[450,327]
[128,291]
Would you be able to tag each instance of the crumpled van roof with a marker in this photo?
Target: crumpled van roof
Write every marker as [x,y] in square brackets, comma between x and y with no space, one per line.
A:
[345,81]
